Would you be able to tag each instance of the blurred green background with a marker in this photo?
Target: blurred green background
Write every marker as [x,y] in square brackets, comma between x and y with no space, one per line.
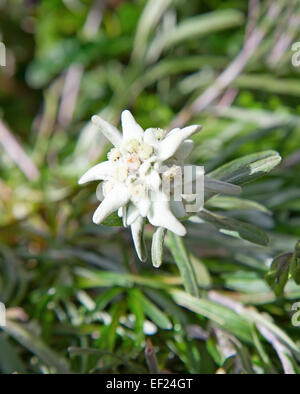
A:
[77,298]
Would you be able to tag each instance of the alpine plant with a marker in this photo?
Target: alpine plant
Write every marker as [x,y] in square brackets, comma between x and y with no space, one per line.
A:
[141,170]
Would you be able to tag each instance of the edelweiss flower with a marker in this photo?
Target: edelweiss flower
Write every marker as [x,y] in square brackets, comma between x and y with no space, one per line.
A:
[134,175]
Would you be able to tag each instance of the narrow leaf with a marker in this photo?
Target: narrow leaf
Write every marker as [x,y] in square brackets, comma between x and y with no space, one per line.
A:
[153,312]
[184,264]
[295,264]
[36,346]
[278,275]
[157,246]
[229,203]
[229,320]
[247,168]
[235,228]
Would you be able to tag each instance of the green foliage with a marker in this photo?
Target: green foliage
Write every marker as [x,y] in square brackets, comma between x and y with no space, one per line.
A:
[77,298]
[283,266]
[278,275]
[295,265]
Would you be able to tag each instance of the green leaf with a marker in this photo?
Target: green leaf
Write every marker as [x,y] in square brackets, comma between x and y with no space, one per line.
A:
[36,346]
[223,316]
[295,264]
[67,51]
[167,304]
[289,364]
[269,368]
[152,311]
[244,357]
[265,321]
[268,83]
[278,275]
[105,298]
[116,359]
[10,360]
[235,203]
[157,246]
[150,17]
[246,282]
[216,186]
[137,309]
[247,168]
[184,264]
[201,272]
[235,228]
[80,351]
[169,66]
[108,335]
[88,279]
[196,26]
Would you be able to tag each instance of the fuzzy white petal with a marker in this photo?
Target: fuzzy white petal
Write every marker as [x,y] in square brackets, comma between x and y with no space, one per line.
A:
[115,199]
[124,215]
[168,146]
[110,131]
[153,180]
[160,215]
[132,214]
[143,206]
[97,173]
[137,230]
[149,137]
[144,168]
[131,129]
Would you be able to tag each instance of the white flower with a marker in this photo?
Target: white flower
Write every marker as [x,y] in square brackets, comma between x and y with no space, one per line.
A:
[132,176]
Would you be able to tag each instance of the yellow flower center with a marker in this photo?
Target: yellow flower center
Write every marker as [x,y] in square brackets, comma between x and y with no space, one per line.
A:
[114,154]
[145,151]
[133,162]
[132,145]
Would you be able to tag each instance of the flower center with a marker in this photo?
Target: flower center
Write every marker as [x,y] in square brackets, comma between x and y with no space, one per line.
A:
[128,158]
[171,173]
[133,161]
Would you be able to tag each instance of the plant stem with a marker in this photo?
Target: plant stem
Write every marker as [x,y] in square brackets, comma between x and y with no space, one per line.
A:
[151,358]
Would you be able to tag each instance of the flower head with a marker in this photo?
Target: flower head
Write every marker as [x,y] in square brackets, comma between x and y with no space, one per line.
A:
[138,166]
